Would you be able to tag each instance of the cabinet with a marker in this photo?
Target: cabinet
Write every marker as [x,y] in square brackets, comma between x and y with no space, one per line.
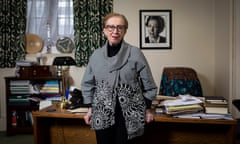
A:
[23,95]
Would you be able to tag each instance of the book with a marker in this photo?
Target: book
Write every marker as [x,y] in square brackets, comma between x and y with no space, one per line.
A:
[216,110]
[216,107]
[209,104]
[215,99]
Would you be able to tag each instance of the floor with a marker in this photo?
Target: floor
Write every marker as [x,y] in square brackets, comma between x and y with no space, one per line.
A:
[16,139]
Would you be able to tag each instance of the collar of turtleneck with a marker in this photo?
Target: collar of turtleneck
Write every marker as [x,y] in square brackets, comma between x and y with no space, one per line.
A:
[112,50]
[120,58]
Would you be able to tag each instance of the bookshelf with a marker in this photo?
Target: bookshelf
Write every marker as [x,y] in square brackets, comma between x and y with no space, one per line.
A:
[23,95]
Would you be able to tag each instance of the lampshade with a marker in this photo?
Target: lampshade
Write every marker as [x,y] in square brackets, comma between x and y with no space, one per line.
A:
[64,61]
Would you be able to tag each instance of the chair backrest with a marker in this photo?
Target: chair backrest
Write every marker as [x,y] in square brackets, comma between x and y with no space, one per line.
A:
[180,80]
[236,103]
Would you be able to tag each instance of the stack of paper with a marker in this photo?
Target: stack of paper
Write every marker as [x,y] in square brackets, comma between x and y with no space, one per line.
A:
[205,116]
[183,104]
[158,105]
[79,110]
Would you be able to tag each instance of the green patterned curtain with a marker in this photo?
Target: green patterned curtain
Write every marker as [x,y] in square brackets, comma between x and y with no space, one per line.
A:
[88,30]
[12,29]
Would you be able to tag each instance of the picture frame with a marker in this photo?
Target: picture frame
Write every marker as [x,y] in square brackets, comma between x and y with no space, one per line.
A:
[155,29]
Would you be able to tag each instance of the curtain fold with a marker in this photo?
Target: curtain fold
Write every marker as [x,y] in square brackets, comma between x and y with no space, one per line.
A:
[12,35]
[88,31]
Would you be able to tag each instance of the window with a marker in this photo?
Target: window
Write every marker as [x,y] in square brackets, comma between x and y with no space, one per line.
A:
[65,17]
[50,19]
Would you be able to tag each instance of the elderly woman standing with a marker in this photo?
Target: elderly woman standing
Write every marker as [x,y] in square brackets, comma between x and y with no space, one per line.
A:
[118,85]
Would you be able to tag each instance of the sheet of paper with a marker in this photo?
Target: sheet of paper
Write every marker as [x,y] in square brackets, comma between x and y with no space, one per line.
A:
[183,100]
[44,104]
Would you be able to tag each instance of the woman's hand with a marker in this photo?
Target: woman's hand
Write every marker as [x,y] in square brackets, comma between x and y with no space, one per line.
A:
[149,116]
[87,117]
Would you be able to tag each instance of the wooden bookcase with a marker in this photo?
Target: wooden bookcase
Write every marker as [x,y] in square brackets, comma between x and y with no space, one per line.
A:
[19,107]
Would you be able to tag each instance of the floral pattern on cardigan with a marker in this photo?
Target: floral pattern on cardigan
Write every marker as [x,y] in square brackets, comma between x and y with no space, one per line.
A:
[131,101]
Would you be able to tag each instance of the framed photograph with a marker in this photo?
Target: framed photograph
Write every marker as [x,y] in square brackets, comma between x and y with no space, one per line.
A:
[155,29]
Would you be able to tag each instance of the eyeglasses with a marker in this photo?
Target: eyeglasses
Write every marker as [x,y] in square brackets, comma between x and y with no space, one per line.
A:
[111,28]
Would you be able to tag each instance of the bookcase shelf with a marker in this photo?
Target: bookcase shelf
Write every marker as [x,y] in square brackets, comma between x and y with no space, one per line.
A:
[19,107]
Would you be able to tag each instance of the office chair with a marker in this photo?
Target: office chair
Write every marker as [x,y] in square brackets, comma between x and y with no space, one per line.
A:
[236,103]
[179,81]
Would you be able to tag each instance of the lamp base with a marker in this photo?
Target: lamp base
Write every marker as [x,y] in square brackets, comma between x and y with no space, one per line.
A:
[64,105]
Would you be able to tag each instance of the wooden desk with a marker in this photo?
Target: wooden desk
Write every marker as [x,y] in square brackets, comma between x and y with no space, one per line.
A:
[62,127]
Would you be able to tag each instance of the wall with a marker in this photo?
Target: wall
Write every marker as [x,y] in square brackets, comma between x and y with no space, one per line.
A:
[194,29]
[193,36]
[235,85]
[223,48]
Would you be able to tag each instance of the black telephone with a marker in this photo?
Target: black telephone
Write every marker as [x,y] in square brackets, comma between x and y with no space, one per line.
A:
[76,99]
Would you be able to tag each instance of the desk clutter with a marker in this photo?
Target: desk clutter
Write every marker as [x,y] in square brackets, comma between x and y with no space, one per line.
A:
[75,101]
[187,106]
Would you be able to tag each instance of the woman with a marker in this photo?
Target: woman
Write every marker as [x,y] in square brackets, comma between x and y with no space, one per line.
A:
[155,25]
[119,86]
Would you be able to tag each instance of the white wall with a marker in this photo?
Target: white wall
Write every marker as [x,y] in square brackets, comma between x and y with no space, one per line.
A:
[223,47]
[236,56]
[193,38]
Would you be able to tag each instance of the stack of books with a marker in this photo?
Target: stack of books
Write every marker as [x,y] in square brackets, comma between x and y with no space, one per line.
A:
[51,91]
[50,87]
[19,100]
[19,92]
[216,104]
[20,87]
[184,104]
[21,118]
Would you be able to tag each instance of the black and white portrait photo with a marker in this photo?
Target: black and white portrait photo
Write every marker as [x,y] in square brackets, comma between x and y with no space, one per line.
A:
[155,29]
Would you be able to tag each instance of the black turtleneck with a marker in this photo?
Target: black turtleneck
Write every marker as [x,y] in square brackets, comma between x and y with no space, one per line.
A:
[113,49]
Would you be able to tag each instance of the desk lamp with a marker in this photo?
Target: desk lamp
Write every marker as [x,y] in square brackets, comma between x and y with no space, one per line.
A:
[60,62]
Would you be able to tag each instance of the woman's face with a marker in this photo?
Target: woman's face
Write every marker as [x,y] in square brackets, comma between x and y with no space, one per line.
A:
[153,28]
[115,30]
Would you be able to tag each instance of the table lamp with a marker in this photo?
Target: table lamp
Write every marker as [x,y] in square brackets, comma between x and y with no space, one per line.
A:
[60,62]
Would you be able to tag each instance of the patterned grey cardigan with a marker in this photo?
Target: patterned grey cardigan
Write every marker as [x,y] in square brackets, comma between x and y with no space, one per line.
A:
[125,76]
